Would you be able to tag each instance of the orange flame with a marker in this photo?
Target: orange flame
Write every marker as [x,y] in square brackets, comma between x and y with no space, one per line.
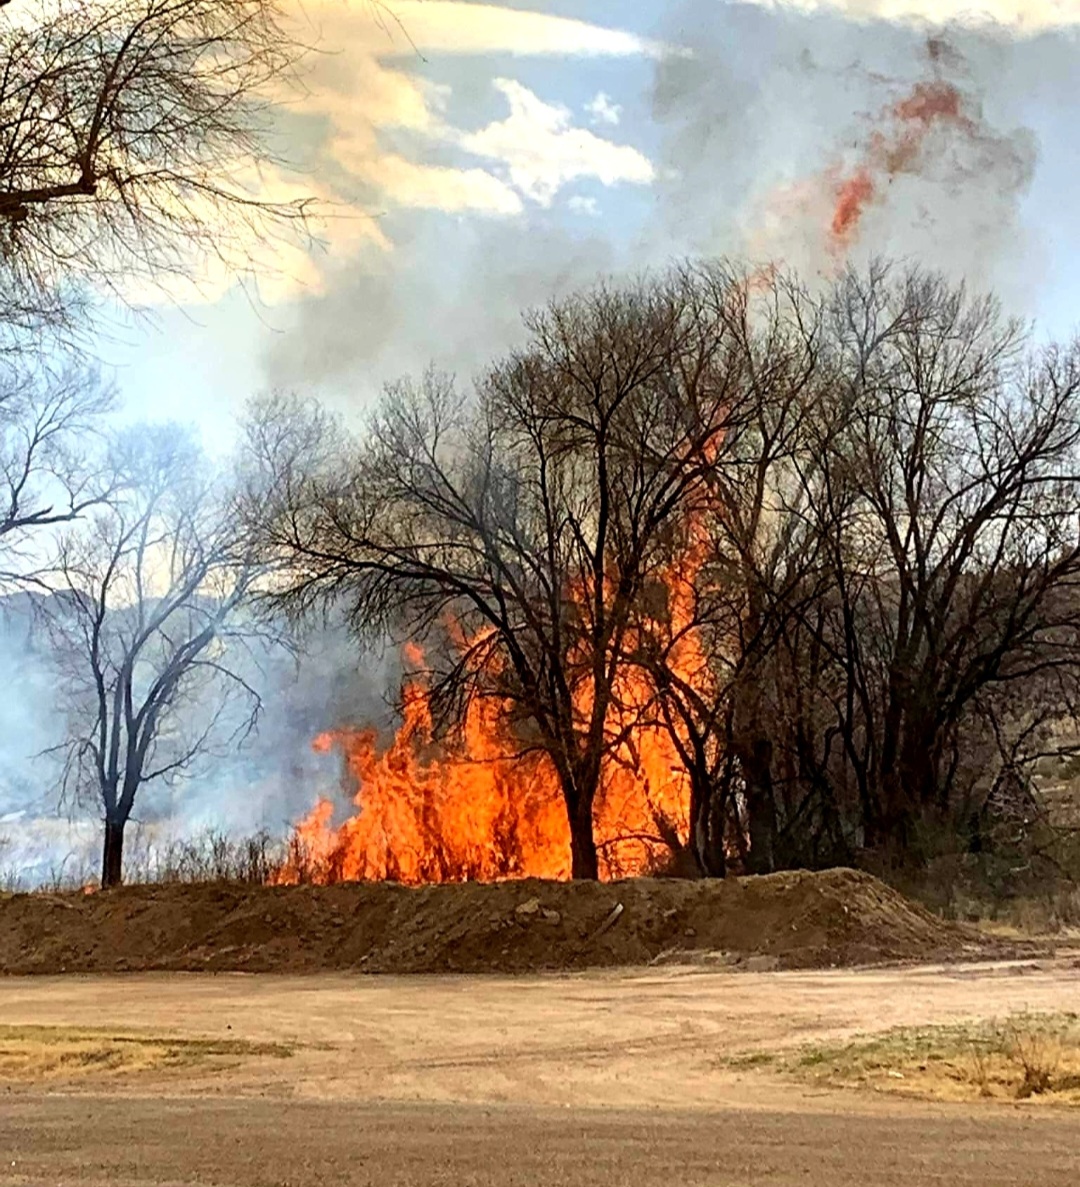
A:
[891,152]
[480,809]
[855,193]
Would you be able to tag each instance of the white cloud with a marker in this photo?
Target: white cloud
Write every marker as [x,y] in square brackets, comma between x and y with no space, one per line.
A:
[366,83]
[438,187]
[369,86]
[580,204]
[277,267]
[603,111]
[541,149]
[454,26]
[1020,16]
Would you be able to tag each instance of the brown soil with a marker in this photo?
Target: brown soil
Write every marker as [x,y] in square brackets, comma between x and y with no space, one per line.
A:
[793,920]
[608,1078]
[273,1143]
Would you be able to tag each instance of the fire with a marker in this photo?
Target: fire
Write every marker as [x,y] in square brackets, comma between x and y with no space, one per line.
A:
[930,101]
[894,150]
[855,193]
[479,808]
[429,813]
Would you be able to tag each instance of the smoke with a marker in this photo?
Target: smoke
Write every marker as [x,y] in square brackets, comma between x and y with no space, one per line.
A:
[784,132]
[268,783]
[933,142]
[1024,17]
[824,140]
[808,133]
[29,728]
[263,785]
[452,299]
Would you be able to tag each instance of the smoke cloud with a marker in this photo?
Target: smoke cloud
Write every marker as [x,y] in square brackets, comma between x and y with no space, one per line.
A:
[29,727]
[1026,17]
[762,120]
[824,139]
[263,785]
[928,175]
[805,133]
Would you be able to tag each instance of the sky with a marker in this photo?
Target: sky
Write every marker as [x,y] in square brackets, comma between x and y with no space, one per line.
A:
[474,159]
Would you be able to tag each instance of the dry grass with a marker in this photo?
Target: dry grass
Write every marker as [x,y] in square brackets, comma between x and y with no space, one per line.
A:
[1026,1057]
[60,1052]
[1056,914]
[207,856]
[210,856]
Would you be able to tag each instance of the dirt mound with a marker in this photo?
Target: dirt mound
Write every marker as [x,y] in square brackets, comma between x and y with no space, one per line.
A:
[792,920]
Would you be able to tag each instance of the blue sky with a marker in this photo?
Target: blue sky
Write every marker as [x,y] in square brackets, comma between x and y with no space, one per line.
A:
[520,150]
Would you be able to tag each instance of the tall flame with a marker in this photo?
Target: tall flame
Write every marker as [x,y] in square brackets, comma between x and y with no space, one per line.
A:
[480,809]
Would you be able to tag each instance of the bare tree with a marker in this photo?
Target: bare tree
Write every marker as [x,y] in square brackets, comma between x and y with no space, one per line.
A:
[935,635]
[741,567]
[878,604]
[50,471]
[530,517]
[132,133]
[147,632]
[837,532]
[961,532]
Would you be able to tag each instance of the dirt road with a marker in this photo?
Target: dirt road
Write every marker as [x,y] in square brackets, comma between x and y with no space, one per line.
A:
[261,1143]
[600,1078]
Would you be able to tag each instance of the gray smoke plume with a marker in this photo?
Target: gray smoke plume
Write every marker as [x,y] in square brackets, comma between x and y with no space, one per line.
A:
[263,785]
[455,299]
[754,130]
[29,727]
[774,101]
[751,124]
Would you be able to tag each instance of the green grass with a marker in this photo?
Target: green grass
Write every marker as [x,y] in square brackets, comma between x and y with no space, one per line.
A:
[1024,1057]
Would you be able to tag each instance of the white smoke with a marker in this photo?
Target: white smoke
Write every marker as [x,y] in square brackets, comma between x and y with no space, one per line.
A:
[1023,17]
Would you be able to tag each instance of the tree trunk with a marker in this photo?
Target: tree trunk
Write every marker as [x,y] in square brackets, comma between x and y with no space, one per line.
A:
[909,782]
[706,839]
[112,862]
[760,806]
[579,785]
[584,865]
[762,858]
[749,740]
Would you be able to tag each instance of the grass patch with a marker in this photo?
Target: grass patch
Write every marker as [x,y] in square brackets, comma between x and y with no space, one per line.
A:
[752,1059]
[43,1052]
[1025,1057]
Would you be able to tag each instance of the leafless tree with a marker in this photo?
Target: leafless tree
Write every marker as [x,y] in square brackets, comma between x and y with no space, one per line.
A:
[881,590]
[531,517]
[132,133]
[838,531]
[148,632]
[741,568]
[50,471]
[960,538]
[936,645]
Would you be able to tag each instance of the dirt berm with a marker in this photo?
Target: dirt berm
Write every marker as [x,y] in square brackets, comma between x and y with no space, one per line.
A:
[792,920]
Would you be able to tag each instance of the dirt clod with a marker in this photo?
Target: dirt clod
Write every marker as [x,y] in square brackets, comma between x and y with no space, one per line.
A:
[790,920]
